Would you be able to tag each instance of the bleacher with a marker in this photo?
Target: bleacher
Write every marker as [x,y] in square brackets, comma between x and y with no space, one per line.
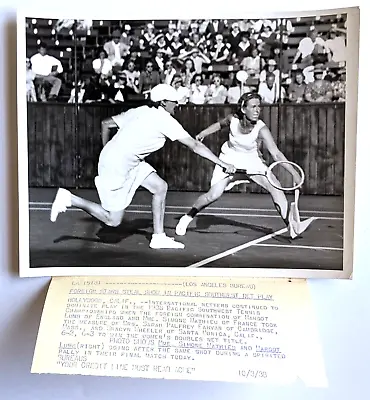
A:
[64,44]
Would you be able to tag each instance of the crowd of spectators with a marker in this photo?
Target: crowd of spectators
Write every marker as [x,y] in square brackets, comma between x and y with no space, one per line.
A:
[201,59]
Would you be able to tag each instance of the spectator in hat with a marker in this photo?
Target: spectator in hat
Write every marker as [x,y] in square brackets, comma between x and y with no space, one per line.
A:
[296,89]
[270,67]
[170,33]
[320,90]
[266,30]
[220,52]
[148,35]
[233,37]
[176,46]
[116,50]
[194,28]
[183,26]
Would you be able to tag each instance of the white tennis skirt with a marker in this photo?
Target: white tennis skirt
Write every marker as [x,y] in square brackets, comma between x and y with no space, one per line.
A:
[251,161]
[117,184]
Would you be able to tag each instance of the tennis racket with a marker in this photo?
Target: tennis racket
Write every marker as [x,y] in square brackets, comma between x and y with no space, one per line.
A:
[282,175]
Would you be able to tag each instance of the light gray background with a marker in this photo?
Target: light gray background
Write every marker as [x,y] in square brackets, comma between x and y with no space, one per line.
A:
[342,307]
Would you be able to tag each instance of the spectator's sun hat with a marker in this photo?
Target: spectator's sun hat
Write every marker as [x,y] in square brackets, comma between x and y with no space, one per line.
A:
[164,92]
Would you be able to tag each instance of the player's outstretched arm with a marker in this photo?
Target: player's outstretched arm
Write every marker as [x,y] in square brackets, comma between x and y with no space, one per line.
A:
[106,124]
[276,154]
[203,151]
[225,122]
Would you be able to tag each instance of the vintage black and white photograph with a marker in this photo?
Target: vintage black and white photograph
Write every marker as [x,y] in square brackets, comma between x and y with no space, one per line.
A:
[211,145]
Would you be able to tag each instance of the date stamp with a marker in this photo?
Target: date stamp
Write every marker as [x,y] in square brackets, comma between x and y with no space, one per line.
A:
[253,373]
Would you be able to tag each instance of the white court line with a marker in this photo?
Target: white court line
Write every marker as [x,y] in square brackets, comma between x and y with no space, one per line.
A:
[35,203]
[299,247]
[203,213]
[236,249]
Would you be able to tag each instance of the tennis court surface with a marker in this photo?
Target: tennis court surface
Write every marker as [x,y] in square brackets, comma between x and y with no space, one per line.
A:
[239,231]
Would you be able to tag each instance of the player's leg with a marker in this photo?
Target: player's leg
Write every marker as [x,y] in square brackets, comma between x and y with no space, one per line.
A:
[64,199]
[203,201]
[283,207]
[158,187]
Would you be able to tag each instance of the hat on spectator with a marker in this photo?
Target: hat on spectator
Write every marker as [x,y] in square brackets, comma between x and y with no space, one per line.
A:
[272,62]
[164,92]
[116,33]
[235,25]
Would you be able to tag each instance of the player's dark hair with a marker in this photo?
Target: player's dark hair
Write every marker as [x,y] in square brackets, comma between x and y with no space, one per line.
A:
[242,102]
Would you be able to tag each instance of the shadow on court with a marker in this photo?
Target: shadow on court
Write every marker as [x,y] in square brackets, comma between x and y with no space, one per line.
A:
[115,235]
[205,222]
[111,235]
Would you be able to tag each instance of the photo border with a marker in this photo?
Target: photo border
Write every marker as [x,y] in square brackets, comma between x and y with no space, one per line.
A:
[351,129]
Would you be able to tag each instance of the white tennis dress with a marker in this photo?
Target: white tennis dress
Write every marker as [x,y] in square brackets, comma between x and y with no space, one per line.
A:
[241,150]
[121,167]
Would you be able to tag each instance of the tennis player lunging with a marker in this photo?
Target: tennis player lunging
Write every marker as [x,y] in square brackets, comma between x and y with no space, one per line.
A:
[122,167]
[247,131]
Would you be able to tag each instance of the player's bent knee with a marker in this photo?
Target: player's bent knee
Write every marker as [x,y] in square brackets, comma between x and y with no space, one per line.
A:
[114,220]
[161,188]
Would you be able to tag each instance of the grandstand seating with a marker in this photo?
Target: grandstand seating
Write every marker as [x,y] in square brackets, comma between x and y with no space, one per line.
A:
[62,44]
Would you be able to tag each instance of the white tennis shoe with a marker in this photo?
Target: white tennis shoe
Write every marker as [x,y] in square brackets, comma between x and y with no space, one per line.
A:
[183,224]
[165,242]
[61,202]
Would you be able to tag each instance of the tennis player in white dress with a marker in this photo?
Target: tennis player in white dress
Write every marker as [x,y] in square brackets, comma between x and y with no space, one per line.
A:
[122,167]
[246,133]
